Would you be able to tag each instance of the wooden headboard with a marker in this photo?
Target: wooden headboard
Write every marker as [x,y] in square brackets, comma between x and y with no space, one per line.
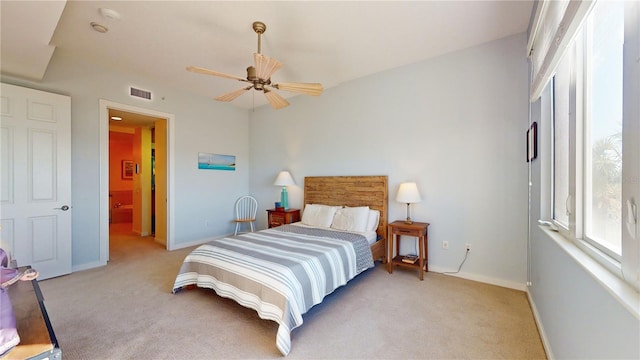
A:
[352,191]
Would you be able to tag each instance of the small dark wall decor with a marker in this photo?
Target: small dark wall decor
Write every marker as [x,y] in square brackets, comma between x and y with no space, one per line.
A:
[532,142]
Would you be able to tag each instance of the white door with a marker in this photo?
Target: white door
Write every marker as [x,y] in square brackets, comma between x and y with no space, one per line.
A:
[35,159]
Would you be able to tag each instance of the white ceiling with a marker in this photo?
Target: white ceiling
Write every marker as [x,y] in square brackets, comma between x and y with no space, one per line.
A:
[330,42]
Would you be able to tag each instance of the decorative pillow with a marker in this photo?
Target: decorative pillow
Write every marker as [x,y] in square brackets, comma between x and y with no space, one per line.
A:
[374,219]
[319,215]
[351,219]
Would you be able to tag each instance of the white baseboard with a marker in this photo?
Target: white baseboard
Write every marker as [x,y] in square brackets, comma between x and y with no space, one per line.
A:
[543,335]
[481,278]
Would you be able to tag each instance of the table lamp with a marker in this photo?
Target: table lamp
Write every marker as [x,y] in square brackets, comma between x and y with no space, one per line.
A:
[408,194]
[284,179]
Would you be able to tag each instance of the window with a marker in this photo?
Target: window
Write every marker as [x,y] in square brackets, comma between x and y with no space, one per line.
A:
[561,143]
[602,125]
[590,123]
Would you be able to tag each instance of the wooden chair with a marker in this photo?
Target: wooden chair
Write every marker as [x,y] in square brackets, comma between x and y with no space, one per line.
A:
[246,208]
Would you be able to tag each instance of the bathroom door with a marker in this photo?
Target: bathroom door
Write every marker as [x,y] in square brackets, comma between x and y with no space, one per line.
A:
[36,179]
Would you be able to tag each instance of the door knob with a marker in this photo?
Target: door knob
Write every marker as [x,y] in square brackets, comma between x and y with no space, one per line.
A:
[63,208]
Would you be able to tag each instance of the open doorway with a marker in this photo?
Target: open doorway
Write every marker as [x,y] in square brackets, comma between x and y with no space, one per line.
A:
[132,165]
[135,197]
[131,172]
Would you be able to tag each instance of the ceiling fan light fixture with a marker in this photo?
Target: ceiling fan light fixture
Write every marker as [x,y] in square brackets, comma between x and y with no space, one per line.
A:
[276,101]
[232,95]
[199,70]
[251,74]
[265,66]
[313,89]
[259,76]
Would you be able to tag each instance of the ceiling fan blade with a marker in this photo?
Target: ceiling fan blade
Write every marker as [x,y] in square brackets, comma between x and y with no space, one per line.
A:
[265,66]
[200,70]
[276,101]
[313,89]
[232,95]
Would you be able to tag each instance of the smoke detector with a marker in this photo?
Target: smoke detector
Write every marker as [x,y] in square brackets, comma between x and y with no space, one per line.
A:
[109,14]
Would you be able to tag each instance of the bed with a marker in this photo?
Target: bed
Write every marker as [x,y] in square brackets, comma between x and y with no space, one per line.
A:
[282,272]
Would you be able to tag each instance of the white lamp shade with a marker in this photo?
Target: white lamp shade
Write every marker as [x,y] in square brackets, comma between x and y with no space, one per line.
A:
[284,179]
[408,193]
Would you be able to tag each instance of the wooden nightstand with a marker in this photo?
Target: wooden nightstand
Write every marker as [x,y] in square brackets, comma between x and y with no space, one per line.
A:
[418,230]
[281,217]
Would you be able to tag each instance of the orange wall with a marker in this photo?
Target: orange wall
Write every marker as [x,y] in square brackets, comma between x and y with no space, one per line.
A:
[120,148]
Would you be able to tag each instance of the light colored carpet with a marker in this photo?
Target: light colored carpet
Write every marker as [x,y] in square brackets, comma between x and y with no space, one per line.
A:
[126,310]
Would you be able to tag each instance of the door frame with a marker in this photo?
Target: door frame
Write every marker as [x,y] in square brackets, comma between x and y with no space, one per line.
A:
[105,105]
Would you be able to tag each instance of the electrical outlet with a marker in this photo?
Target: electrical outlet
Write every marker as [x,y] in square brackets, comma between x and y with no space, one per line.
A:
[445,245]
[467,246]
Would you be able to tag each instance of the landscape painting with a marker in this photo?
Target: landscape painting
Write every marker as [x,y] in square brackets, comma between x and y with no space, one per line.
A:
[216,162]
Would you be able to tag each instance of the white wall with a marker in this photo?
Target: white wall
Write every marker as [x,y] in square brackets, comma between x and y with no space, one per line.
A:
[454,124]
[201,125]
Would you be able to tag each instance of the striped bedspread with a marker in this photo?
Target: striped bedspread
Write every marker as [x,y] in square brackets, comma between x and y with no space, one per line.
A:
[280,272]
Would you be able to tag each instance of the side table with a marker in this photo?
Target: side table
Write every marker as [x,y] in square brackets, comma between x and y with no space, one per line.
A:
[415,229]
[281,217]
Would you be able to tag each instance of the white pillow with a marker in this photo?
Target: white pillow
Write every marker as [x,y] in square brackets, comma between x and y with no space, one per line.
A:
[351,219]
[373,220]
[319,215]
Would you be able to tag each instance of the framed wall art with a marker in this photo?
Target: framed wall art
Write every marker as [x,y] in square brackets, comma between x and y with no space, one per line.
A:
[216,162]
[127,169]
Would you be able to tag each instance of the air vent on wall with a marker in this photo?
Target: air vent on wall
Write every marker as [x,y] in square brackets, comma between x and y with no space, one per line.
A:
[140,93]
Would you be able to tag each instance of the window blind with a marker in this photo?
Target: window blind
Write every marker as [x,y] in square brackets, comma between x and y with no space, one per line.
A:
[554,26]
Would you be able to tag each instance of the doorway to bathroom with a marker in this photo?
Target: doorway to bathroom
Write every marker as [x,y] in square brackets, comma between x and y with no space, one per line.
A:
[132,165]
[135,184]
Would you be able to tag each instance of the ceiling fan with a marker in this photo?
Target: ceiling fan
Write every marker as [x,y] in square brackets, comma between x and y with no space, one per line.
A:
[259,77]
